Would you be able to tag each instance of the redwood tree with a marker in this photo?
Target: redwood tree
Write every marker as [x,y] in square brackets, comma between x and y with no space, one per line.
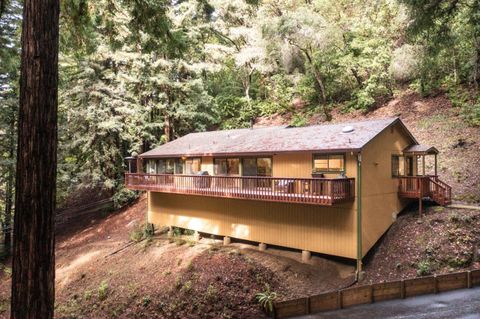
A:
[33,251]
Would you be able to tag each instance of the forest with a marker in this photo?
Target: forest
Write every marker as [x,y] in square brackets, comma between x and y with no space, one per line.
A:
[136,74]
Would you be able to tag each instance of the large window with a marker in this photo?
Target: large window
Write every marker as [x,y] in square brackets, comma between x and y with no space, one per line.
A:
[328,163]
[226,166]
[261,166]
[193,166]
[151,167]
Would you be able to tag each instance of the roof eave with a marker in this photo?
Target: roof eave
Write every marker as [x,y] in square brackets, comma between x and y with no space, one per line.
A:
[266,153]
[397,120]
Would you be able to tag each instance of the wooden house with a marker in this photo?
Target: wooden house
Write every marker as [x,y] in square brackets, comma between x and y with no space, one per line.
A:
[332,189]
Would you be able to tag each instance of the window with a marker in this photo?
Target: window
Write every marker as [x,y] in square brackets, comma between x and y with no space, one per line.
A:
[179,166]
[328,163]
[169,166]
[261,166]
[227,166]
[151,167]
[161,166]
[398,165]
[193,166]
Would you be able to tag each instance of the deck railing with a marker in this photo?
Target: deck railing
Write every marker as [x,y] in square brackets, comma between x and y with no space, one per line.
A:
[425,186]
[319,191]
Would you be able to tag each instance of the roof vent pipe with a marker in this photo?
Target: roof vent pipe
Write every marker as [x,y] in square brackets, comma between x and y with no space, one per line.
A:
[348,129]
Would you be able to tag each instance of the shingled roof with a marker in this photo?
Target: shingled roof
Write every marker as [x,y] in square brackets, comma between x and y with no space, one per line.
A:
[276,139]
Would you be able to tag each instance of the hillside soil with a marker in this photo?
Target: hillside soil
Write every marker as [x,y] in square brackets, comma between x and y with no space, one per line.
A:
[443,240]
[101,273]
[435,122]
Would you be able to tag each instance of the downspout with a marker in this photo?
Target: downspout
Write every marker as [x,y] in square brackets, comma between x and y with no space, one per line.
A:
[359,215]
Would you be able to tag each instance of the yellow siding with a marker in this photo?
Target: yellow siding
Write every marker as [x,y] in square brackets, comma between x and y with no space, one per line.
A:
[328,230]
[380,201]
[300,165]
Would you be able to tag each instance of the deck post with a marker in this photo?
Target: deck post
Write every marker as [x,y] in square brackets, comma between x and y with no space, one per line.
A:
[420,187]
[436,165]
[226,240]
[196,236]
[423,164]
[139,165]
[306,256]
[420,206]
[262,246]
[359,215]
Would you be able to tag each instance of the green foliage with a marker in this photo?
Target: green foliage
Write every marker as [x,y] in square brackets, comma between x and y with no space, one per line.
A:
[140,233]
[298,120]
[136,74]
[266,299]
[124,197]
[424,268]
[146,301]
[103,290]
[469,103]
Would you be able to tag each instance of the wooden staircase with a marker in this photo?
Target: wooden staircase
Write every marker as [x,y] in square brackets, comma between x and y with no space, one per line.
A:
[421,187]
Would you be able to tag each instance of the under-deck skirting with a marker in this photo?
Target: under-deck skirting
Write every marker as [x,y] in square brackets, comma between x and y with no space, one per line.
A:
[322,229]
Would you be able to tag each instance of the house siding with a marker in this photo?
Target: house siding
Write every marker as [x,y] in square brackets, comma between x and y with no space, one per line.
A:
[380,200]
[328,230]
[323,229]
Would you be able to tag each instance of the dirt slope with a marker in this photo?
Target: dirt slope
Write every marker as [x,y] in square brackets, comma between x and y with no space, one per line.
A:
[162,278]
[443,240]
[433,121]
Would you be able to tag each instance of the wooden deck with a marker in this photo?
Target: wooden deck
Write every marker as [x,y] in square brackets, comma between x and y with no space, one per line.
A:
[425,186]
[317,191]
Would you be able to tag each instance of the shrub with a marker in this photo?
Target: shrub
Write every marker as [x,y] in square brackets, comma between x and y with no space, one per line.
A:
[424,268]
[146,301]
[211,293]
[140,233]
[123,197]
[87,295]
[298,120]
[187,286]
[468,102]
[266,299]
[103,290]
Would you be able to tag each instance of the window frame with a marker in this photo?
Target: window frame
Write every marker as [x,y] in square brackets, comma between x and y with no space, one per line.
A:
[256,158]
[226,159]
[401,161]
[184,162]
[328,171]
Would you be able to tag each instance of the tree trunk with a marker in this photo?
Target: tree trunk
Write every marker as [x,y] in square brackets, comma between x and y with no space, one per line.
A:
[319,84]
[9,189]
[167,129]
[476,65]
[33,280]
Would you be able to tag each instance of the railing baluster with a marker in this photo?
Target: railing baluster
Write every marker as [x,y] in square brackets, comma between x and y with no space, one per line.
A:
[321,191]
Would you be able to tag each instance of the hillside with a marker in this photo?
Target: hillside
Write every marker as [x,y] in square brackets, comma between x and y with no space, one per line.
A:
[442,241]
[433,121]
[101,274]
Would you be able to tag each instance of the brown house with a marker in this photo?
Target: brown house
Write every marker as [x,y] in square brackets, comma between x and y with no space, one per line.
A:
[332,189]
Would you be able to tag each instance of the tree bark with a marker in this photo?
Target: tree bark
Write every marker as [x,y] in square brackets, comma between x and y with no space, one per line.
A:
[9,189]
[476,65]
[33,278]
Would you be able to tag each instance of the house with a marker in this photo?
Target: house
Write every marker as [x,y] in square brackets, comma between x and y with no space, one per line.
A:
[332,189]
